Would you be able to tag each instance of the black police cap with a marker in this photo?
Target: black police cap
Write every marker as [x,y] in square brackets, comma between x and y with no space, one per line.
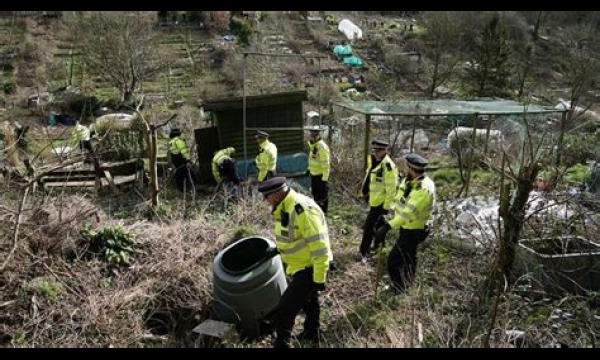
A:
[416,161]
[272,185]
[261,134]
[379,144]
[314,129]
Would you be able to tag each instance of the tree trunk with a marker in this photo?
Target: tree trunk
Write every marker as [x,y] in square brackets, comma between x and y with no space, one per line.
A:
[561,135]
[434,78]
[536,28]
[153,167]
[512,212]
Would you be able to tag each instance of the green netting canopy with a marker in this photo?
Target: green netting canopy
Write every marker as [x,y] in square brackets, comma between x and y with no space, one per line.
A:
[445,107]
[343,51]
[353,61]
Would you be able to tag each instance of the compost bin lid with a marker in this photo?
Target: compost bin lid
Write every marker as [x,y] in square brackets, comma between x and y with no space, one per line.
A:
[245,255]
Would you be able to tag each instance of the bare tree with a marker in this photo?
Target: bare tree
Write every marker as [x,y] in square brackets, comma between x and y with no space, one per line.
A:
[440,47]
[513,203]
[581,66]
[116,46]
[529,54]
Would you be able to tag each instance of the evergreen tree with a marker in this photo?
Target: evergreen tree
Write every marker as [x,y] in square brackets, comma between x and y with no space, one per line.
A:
[490,67]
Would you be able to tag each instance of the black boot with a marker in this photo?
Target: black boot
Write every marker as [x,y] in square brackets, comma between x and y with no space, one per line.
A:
[282,344]
[309,335]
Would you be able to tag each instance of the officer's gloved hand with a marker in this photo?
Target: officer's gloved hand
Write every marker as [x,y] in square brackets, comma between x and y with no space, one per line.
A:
[319,286]
[272,252]
[382,231]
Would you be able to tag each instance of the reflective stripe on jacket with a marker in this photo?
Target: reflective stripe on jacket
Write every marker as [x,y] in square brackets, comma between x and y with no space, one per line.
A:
[318,159]
[302,235]
[177,146]
[414,211]
[81,133]
[266,160]
[383,180]
[218,159]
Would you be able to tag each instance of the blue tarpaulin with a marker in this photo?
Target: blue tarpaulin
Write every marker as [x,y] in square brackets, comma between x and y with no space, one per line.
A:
[286,164]
[353,61]
[342,51]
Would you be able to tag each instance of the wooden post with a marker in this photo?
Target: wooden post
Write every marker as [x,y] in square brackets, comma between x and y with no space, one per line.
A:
[244,108]
[561,136]
[472,154]
[319,95]
[487,132]
[331,117]
[153,168]
[412,137]
[367,139]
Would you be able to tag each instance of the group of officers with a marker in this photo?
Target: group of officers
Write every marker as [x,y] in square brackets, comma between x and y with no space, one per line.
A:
[301,231]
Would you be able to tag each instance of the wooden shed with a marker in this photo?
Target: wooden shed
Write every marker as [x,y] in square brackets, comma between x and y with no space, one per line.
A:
[280,114]
[267,112]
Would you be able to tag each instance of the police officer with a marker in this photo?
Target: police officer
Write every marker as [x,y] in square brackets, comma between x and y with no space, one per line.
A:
[266,160]
[81,136]
[303,241]
[412,210]
[318,167]
[223,169]
[379,187]
[179,155]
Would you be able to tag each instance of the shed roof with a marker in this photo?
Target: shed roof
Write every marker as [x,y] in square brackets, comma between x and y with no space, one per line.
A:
[255,101]
[486,106]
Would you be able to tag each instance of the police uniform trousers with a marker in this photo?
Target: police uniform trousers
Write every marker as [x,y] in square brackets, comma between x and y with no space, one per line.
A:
[320,190]
[299,295]
[85,145]
[182,173]
[373,219]
[402,260]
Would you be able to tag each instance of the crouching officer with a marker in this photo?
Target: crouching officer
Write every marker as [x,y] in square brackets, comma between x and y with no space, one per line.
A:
[318,167]
[303,241]
[179,155]
[266,160]
[379,185]
[223,169]
[412,210]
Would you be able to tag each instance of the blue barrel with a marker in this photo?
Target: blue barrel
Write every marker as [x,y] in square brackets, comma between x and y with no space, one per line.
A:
[52,120]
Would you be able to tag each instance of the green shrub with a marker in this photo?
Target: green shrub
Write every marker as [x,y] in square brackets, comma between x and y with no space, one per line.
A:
[242,232]
[9,87]
[579,148]
[576,173]
[47,288]
[242,30]
[446,175]
[113,244]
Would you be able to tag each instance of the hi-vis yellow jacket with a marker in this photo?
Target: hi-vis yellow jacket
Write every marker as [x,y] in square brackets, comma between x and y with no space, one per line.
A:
[383,182]
[178,146]
[266,160]
[414,211]
[218,158]
[318,159]
[80,133]
[302,235]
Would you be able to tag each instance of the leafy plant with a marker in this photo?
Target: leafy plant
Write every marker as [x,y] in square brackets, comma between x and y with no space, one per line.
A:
[9,88]
[576,173]
[47,288]
[113,243]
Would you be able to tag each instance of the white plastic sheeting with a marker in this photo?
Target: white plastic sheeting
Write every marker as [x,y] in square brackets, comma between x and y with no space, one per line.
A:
[117,121]
[476,218]
[350,30]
